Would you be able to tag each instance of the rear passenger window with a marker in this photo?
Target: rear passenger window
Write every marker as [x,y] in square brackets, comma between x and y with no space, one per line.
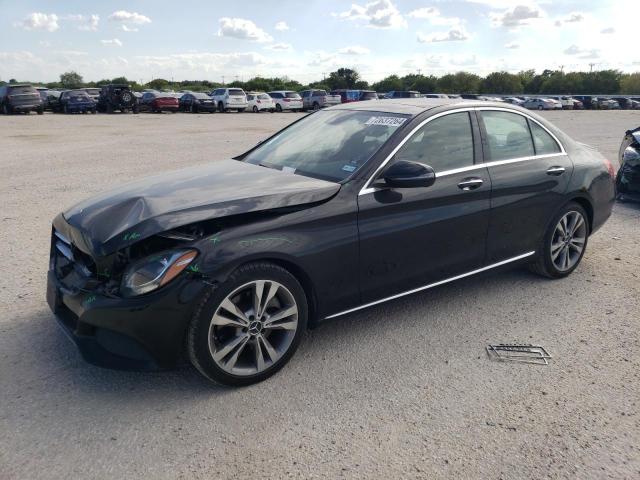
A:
[508,135]
[444,143]
[544,143]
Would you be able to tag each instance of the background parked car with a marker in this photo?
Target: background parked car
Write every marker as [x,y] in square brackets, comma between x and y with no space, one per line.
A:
[435,95]
[587,101]
[259,101]
[566,103]
[20,98]
[628,177]
[514,101]
[347,96]
[76,101]
[402,94]
[317,99]
[94,93]
[157,102]
[603,103]
[286,100]
[195,102]
[367,95]
[230,99]
[42,91]
[623,102]
[117,97]
[540,104]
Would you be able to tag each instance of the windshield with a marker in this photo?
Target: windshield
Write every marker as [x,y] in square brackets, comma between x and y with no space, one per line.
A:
[330,145]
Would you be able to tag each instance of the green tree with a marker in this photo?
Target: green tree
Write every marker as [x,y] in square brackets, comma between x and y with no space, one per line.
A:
[460,82]
[501,82]
[388,84]
[70,80]
[343,78]
[158,84]
[630,84]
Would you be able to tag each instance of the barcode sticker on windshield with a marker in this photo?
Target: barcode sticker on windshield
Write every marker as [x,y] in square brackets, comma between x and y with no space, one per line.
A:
[388,121]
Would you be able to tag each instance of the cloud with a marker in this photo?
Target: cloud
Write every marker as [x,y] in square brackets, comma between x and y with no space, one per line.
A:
[608,30]
[434,16]
[40,21]
[242,29]
[282,26]
[125,28]
[574,18]
[129,17]
[453,35]
[114,42]
[512,46]
[279,46]
[354,50]
[517,16]
[87,23]
[582,53]
[378,14]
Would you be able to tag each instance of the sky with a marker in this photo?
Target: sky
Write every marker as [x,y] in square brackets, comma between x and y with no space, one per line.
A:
[209,40]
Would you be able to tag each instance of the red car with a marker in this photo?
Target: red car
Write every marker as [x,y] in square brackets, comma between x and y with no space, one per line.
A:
[159,102]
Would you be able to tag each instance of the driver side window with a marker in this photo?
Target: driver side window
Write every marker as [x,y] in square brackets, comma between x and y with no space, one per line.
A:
[445,143]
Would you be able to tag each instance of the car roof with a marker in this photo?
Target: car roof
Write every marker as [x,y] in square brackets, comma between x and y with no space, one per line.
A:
[416,106]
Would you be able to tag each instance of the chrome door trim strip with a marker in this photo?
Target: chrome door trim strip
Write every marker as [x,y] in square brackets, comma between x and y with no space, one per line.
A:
[367,189]
[431,285]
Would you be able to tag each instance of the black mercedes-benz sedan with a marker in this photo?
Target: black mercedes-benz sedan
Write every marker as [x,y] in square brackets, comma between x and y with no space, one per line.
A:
[229,262]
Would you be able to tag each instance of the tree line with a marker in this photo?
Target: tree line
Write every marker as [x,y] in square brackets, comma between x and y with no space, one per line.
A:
[524,82]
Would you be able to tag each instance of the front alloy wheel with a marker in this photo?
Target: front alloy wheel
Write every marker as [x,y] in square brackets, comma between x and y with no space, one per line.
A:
[247,328]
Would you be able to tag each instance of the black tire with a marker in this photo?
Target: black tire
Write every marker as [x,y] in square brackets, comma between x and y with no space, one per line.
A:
[278,108]
[136,109]
[194,108]
[40,111]
[65,109]
[221,108]
[6,109]
[255,109]
[240,110]
[543,264]
[316,106]
[540,107]
[109,108]
[198,331]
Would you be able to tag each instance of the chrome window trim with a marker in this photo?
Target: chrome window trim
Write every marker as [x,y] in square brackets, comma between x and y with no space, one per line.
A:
[435,284]
[367,189]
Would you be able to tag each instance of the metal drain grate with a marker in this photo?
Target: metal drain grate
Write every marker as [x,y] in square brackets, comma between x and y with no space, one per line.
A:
[519,353]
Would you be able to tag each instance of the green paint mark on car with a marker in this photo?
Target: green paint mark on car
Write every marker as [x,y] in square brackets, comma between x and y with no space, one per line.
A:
[131,236]
[194,268]
[90,299]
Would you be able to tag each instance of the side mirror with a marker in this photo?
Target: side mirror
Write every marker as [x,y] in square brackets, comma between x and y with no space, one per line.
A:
[406,174]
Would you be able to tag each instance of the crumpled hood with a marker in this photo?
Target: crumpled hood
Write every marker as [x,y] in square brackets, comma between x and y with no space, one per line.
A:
[112,220]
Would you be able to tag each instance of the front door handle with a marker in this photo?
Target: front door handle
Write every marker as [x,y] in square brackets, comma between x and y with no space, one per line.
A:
[470,184]
[555,171]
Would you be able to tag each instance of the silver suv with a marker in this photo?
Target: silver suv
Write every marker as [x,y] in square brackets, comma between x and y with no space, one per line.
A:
[230,99]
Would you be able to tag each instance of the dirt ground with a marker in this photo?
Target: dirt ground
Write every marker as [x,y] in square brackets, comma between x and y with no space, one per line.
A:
[401,390]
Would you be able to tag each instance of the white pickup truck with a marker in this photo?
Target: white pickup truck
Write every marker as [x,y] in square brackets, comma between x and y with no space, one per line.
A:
[317,99]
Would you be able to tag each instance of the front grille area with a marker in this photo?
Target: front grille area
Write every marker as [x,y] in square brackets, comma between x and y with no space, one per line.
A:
[73,268]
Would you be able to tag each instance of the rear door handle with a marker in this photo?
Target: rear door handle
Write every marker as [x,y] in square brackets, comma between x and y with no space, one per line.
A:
[470,184]
[555,171]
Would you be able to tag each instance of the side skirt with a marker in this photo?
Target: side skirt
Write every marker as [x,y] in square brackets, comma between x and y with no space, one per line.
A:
[431,285]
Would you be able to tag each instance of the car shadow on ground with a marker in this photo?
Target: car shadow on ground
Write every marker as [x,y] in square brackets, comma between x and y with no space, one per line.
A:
[59,360]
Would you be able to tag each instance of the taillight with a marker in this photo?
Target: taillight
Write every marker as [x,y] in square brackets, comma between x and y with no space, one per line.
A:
[610,169]
[286,99]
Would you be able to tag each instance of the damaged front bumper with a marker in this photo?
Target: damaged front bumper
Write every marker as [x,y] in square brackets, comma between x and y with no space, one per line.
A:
[144,333]
[140,333]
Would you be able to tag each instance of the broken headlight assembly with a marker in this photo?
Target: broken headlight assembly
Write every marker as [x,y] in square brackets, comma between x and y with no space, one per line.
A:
[153,272]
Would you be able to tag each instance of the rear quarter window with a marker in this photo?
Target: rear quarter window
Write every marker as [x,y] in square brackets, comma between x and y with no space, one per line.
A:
[543,142]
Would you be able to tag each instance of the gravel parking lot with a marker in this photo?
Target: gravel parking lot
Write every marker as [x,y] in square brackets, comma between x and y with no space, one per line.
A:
[401,390]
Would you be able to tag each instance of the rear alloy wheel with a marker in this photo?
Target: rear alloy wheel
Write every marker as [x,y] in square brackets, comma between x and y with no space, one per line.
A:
[564,243]
[278,108]
[255,109]
[316,106]
[249,327]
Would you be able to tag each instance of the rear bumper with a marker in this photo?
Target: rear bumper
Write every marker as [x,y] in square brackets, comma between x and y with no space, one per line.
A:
[145,333]
[26,107]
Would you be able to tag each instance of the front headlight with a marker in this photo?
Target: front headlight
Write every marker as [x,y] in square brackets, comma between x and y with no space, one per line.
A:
[153,272]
